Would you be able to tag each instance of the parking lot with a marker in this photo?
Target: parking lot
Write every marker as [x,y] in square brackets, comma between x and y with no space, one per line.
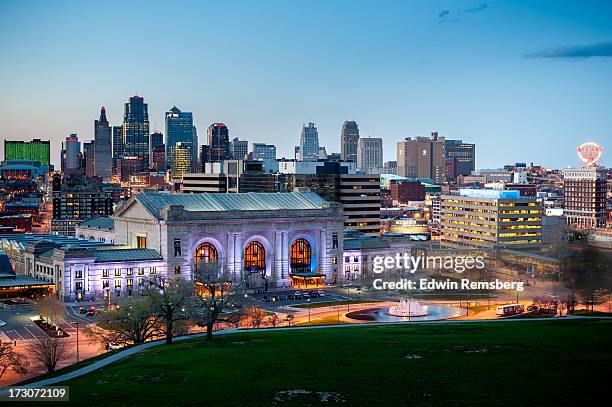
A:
[280,298]
[19,326]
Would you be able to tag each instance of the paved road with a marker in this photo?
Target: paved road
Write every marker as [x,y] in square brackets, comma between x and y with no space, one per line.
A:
[135,349]
[19,325]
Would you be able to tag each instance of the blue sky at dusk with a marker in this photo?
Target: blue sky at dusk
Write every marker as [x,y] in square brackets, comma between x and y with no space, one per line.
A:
[524,80]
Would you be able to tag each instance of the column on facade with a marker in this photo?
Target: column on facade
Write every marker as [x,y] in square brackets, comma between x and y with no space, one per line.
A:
[285,255]
[278,256]
[234,256]
[323,263]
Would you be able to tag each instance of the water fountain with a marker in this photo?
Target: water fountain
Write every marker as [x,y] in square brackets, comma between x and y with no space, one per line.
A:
[408,308]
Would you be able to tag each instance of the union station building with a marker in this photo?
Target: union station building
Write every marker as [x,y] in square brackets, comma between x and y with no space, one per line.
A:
[265,239]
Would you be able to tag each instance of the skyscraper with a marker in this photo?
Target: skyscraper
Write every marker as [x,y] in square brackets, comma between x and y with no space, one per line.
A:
[102,155]
[349,136]
[309,143]
[71,153]
[136,130]
[179,129]
[262,151]
[117,142]
[117,148]
[463,153]
[89,158]
[239,149]
[37,150]
[421,157]
[370,155]
[218,142]
[157,139]
[181,161]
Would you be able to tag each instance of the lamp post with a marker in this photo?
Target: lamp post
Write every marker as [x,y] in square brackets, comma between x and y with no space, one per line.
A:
[77,339]
[348,300]
[308,300]
[273,301]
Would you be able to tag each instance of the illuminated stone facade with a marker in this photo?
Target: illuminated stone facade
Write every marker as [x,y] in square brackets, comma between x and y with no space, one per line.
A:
[252,236]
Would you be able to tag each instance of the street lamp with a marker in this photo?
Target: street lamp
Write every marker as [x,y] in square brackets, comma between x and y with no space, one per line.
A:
[273,301]
[348,300]
[308,300]
[77,339]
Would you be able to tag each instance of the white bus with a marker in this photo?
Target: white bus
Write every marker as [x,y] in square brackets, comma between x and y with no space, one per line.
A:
[510,309]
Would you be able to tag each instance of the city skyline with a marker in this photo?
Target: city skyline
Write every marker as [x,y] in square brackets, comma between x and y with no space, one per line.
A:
[464,71]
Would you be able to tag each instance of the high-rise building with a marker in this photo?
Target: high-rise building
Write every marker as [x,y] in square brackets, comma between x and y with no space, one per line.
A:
[117,142]
[390,167]
[239,149]
[370,155]
[359,194]
[360,199]
[463,153]
[158,158]
[181,160]
[136,130]
[349,137]
[421,157]
[218,142]
[489,218]
[309,143]
[89,158]
[128,166]
[179,129]
[71,155]
[157,139]
[194,150]
[102,154]
[36,150]
[584,201]
[77,200]
[262,151]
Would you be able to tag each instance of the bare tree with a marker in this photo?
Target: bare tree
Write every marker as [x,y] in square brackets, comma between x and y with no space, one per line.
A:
[216,291]
[48,352]
[50,309]
[130,322]
[9,359]
[591,297]
[567,304]
[169,299]
[274,320]
[255,316]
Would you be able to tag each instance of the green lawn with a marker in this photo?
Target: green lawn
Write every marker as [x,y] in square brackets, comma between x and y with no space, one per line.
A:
[475,364]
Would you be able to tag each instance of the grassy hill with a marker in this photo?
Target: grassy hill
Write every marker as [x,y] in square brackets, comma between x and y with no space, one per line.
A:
[475,364]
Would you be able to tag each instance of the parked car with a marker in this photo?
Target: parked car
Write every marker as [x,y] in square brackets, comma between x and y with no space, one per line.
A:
[83,310]
[265,298]
[91,313]
[306,296]
[314,294]
[291,297]
[114,346]
[282,298]
[321,293]
[532,308]
[298,295]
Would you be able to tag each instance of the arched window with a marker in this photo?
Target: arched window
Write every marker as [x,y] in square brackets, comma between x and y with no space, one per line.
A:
[204,254]
[254,257]
[300,256]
